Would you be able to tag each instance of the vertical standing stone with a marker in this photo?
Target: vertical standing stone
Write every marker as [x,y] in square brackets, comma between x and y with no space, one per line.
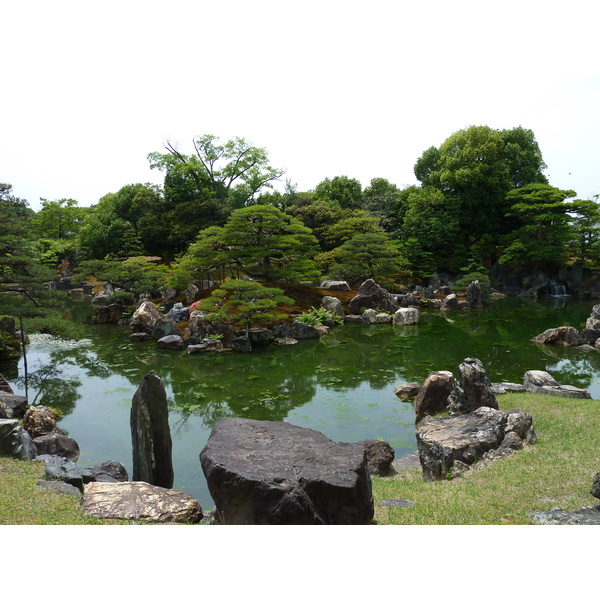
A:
[150,433]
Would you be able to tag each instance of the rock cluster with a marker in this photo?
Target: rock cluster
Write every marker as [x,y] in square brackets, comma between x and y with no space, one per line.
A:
[475,429]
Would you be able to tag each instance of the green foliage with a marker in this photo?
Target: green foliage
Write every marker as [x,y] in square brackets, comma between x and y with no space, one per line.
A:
[319,316]
[19,264]
[135,275]
[474,169]
[52,322]
[244,302]
[340,192]
[369,256]
[584,243]
[58,219]
[265,242]
[544,224]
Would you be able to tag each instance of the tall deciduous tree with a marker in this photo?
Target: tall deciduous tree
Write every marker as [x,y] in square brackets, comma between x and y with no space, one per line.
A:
[233,172]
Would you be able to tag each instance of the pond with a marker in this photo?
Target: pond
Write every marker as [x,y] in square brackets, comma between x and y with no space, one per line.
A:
[341,384]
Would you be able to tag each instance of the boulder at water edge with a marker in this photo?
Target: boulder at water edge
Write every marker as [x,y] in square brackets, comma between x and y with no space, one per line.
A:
[371,295]
[139,500]
[150,433]
[473,390]
[264,472]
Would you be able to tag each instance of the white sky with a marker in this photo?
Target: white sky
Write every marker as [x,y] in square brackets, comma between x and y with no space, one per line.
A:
[328,88]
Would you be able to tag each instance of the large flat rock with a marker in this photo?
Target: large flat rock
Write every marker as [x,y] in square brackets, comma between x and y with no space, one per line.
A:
[264,472]
[139,500]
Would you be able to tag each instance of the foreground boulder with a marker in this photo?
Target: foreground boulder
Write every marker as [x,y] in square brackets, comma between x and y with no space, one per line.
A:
[450,445]
[371,295]
[263,472]
[139,500]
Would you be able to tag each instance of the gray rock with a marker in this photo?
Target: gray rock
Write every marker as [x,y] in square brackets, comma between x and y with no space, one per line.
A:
[296,330]
[596,486]
[353,319]
[333,305]
[504,387]
[432,397]
[475,294]
[56,443]
[39,420]
[14,405]
[264,472]
[562,336]
[191,293]
[369,316]
[4,385]
[450,302]
[59,486]
[140,337]
[145,318]
[201,330]
[150,433]
[241,344]
[371,295]
[474,388]
[407,391]
[380,456]
[541,382]
[170,342]
[534,379]
[208,346]
[406,316]
[164,328]
[260,336]
[15,441]
[139,500]
[330,284]
[110,313]
[179,313]
[584,516]
[464,438]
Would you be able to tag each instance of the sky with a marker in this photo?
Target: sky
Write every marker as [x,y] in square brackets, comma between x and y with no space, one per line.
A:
[328,88]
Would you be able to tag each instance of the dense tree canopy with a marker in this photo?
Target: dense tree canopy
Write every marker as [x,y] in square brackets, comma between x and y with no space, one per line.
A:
[475,168]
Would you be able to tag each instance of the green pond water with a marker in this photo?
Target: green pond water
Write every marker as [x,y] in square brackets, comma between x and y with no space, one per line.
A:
[342,384]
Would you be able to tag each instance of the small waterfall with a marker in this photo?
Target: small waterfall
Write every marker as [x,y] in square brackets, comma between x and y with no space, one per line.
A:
[555,289]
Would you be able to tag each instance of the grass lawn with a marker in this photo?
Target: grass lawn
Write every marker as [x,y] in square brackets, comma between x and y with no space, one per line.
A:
[556,472]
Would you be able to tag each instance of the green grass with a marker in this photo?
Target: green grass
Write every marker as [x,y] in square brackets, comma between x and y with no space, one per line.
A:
[23,503]
[556,472]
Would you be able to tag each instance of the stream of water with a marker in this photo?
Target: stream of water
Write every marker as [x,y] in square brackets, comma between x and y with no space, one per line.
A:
[341,384]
